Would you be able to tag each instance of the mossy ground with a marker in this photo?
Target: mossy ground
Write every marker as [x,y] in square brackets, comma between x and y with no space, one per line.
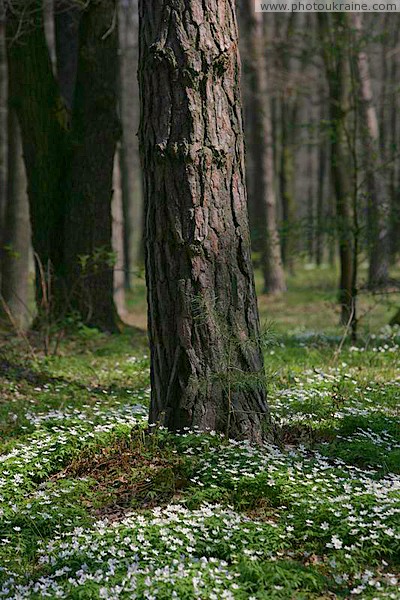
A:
[93,506]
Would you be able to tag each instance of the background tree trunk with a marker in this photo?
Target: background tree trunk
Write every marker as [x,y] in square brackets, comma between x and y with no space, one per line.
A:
[333,27]
[203,319]
[378,201]
[310,228]
[391,135]
[263,157]
[118,239]
[34,94]
[17,232]
[286,172]
[3,119]
[131,173]
[321,187]
[95,130]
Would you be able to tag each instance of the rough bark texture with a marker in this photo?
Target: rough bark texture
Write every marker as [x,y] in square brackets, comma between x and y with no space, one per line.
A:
[378,200]
[95,130]
[203,319]
[335,58]
[263,158]
[17,232]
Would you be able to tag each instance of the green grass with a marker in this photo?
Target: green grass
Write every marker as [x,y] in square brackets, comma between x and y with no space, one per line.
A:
[93,507]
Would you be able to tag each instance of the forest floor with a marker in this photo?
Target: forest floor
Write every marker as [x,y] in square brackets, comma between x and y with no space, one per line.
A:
[93,507]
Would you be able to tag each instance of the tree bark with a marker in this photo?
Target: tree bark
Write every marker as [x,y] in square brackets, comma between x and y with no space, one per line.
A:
[203,319]
[335,58]
[17,232]
[89,256]
[378,201]
[263,157]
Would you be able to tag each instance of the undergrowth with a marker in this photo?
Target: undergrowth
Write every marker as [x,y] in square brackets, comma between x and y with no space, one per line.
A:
[94,505]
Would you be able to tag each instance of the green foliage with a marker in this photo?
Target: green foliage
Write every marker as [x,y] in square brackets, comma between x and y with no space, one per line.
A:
[283,579]
[95,506]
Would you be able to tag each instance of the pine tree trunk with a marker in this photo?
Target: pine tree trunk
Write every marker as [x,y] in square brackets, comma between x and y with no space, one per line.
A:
[203,320]
[378,201]
[17,232]
[335,59]
[263,158]
[95,130]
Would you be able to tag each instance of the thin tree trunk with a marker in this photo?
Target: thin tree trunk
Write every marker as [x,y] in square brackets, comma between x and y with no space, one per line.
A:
[288,100]
[48,7]
[264,168]
[286,189]
[118,239]
[255,211]
[310,202]
[203,319]
[331,216]
[395,320]
[378,202]
[95,130]
[321,226]
[3,119]
[131,175]
[17,232]
[337,69]
[394,188]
